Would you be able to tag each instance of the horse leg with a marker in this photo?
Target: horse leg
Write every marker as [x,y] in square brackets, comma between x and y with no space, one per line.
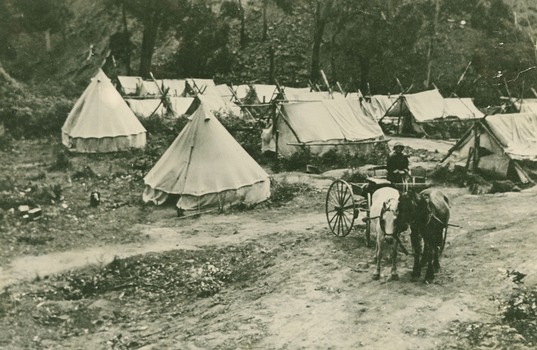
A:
[438,249]
[394,276]
[378,257]
[415,239]
[429,275]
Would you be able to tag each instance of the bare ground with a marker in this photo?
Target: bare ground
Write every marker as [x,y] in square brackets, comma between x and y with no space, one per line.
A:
[315,292]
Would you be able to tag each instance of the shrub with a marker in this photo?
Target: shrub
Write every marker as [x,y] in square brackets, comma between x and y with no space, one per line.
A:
[35,117]
[283,192]
[62,162]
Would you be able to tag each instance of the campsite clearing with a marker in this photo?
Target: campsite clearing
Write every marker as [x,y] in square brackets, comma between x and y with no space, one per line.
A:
[291,283]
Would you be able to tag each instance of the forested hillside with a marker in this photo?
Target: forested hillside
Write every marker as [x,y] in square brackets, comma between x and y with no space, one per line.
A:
[477,48]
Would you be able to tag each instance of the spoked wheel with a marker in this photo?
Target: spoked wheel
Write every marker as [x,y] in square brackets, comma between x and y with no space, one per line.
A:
[340,208]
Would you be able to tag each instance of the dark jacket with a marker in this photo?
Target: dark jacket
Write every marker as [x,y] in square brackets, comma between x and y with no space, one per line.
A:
[396,161]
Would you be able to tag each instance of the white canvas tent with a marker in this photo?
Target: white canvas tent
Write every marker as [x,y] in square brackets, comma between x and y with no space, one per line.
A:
[101,121]
[206,168]
[462,108]
[502,140]
[414,110]
[340,124]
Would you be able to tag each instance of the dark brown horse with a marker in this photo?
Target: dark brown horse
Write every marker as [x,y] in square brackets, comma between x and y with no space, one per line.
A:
[427,213]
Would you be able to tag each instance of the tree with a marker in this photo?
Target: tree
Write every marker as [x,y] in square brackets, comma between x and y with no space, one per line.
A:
[285,5]
[321,11]
[48,16]
[204,51]
[153,14]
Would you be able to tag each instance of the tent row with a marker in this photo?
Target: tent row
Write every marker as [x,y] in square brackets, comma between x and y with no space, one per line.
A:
[173,96]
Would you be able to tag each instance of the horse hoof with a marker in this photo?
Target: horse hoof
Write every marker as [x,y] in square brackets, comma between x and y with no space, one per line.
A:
[376,277]
[394,277]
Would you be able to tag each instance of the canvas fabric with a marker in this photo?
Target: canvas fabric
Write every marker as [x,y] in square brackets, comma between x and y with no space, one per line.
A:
[264,93]
[105,144]
[146,107]
[101,113]
[322,125]
[462,108]
[130,85]
[180,105]
[517,132]
[205,160]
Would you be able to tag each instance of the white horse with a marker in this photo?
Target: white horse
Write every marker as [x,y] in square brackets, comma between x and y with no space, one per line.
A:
[383,215]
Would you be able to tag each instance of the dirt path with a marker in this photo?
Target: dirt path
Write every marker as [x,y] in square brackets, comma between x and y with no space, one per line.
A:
[219,230]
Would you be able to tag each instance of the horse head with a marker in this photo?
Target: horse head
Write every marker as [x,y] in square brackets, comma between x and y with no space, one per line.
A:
[389,219]
[408,207]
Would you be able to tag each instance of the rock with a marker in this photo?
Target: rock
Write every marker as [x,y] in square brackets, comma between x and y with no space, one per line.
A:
[23,209]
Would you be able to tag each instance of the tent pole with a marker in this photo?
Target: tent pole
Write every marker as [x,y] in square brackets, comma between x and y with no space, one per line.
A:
[476,148]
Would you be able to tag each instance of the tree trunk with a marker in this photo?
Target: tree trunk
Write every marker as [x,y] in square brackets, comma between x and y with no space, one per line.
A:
[431,44]
[243,26]
[364,73]
[271,65]
[333,57]
[148,44]
[127,40]
[265,25]
[318,32]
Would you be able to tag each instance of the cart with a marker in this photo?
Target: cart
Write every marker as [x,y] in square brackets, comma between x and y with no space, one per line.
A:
[346,200]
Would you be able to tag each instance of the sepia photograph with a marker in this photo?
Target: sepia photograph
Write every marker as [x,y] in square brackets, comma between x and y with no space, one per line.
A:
[268,174]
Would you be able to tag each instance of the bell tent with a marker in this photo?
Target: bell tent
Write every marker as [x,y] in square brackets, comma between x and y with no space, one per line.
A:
[101,121]
[206,168]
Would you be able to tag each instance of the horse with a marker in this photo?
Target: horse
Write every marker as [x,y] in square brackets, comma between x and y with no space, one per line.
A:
[384,224]
[427,213]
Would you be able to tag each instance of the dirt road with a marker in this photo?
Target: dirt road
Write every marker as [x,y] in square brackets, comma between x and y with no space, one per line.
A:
[319,293]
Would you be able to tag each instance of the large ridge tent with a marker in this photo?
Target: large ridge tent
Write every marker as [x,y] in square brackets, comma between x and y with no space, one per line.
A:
[415,110]
[206,168]
[340,124]
[503,143]
[101,121]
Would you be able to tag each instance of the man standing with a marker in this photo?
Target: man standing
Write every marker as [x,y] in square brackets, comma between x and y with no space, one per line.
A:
[397,164]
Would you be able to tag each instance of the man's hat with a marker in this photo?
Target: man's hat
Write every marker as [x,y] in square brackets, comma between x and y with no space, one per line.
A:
[398,144]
